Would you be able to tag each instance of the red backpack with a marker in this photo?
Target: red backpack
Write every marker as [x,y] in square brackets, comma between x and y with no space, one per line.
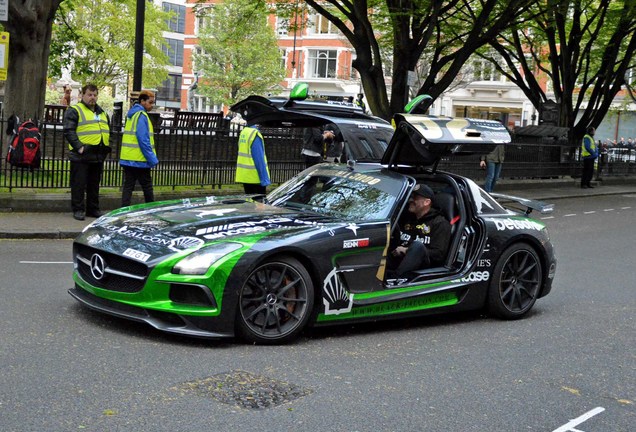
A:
[24,149]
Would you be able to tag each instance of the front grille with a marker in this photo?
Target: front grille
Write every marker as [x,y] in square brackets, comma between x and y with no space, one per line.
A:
[121,274]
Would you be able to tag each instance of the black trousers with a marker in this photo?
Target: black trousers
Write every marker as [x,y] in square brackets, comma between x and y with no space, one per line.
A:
[588,171]
[312,160]
[85,179]
[254,188]
[132,175]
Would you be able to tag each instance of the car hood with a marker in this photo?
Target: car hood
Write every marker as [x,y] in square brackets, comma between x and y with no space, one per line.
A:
[422,140]
[157,231]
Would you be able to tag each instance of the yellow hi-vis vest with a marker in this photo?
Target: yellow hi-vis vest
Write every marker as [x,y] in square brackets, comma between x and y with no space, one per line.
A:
[92,128]
[245,167]
[130,149]
[584,152]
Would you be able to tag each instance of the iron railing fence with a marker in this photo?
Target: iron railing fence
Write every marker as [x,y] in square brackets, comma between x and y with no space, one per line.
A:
[201,152]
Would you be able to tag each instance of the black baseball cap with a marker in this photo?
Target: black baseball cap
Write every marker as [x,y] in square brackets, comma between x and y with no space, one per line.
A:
[423,191]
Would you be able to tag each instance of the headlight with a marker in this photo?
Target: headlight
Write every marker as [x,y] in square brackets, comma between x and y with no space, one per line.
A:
[200,261]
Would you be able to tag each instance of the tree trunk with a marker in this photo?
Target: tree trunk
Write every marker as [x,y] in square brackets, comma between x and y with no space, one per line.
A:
[29,26]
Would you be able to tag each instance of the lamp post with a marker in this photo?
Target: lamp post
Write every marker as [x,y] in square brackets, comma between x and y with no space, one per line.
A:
[139,44]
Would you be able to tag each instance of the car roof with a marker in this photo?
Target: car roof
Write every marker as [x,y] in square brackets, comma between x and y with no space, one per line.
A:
[419,140]
[278,111]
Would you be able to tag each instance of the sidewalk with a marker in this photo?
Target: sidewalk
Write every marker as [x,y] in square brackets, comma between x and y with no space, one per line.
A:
[47,216]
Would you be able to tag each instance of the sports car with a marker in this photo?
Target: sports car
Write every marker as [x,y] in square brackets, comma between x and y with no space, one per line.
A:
[313,252]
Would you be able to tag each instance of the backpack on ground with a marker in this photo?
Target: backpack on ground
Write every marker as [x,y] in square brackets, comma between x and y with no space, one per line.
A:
[24,147]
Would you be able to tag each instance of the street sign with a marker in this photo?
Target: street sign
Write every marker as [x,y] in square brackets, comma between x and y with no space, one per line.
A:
[4,10]
[4,55]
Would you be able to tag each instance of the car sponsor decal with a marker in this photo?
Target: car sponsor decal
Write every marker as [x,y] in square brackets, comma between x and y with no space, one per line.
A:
[484,263]
[517,224]
[362,178]
[336,298]
[476,276]
[183,243]
[217,212]
[124,231]
[135,254]
[353,227]
[219,231]
[355,243]
[399,306]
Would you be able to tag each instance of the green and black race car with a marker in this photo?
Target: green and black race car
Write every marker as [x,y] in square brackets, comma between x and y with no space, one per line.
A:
[313,252]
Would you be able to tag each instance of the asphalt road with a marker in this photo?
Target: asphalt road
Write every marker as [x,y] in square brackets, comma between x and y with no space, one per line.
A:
[570,365]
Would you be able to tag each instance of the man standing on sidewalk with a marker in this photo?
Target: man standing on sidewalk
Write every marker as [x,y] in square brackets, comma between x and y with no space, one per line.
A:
[589,153]
[87,130]
[138,149]
[492,163]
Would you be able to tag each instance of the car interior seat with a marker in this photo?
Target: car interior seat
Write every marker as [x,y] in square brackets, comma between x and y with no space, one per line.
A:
[445,202]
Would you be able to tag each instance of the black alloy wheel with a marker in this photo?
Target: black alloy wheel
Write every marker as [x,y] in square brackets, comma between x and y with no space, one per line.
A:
[516,282]
[275,302]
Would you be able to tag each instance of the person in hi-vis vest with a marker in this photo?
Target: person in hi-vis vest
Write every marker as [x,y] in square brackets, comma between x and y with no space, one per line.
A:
[87,131]
[251,162]
[589,153]
[138,153]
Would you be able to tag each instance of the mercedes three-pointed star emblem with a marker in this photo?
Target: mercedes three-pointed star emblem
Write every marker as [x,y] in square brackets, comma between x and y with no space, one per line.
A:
[98,266]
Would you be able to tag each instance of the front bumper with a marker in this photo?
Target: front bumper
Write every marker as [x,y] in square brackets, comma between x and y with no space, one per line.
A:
[193,326]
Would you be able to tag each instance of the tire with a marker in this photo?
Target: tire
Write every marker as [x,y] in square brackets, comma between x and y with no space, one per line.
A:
[516,281]
[275,302]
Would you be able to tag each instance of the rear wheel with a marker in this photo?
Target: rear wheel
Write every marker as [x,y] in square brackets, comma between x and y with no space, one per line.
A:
[275,302]
[516,281]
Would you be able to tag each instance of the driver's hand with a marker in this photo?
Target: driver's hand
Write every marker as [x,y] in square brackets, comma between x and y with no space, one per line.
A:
[399,251]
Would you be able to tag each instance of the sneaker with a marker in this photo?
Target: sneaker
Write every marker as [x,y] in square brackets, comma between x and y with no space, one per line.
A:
[95,214]
[78,215]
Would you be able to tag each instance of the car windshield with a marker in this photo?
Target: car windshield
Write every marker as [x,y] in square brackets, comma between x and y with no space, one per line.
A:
[339,193]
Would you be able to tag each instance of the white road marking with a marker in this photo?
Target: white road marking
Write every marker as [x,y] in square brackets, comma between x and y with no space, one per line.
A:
[547,217]
[589,212]
[569,426]
[608,209]
[625,208]
[569,215]
[45,262]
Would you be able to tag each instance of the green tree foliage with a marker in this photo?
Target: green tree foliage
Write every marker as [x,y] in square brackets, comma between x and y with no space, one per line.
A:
[238,53]
[449,32]
[95,40]
[583,48]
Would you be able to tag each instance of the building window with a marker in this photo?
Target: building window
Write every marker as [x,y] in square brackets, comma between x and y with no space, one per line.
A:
[322,63]
[177,22]
[203,18]
[173,48]
[170,89]
[283,57]
[484,70]
[321,25]
[282,26]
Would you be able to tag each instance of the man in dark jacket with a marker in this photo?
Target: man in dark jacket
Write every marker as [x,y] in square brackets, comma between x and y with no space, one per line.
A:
[424,235]
[87,130]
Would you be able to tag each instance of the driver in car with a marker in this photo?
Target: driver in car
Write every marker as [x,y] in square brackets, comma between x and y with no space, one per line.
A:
[424,236]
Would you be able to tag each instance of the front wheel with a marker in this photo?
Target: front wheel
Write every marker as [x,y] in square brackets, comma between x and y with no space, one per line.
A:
[516,281]
[275,302]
